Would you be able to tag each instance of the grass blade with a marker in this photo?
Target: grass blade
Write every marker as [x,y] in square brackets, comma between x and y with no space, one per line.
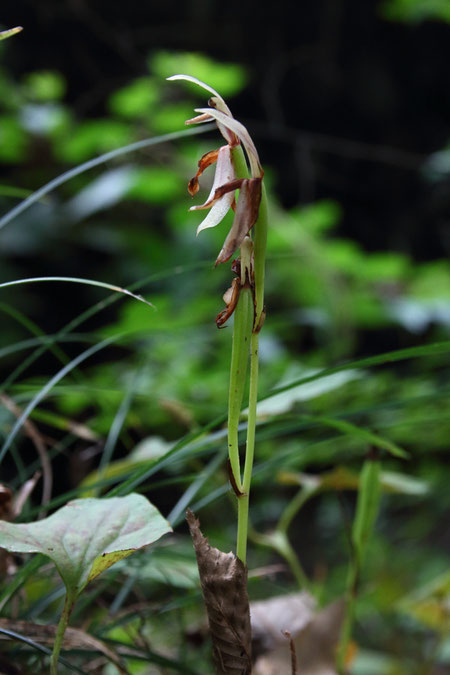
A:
[54,380]
[77,280]
[96,161]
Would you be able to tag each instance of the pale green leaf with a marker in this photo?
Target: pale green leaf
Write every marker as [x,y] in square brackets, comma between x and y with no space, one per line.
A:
[86,536]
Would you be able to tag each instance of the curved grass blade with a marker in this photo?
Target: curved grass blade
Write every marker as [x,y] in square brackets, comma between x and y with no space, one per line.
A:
[46,340]
[34,329]
[20,578]
[142,473]
[77,280]
[96,161]
[92,311]
[178,511]
[151,657]
[387,357]
[54,380]
[116,426]
[40,648]
[365,434]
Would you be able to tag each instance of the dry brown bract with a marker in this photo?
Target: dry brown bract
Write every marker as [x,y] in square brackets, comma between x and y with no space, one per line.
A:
[223,578]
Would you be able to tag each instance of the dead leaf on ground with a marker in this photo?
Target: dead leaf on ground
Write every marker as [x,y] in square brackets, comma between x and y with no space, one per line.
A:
[315,635]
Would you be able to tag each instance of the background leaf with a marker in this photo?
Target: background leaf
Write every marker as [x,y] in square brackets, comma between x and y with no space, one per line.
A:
[87,536]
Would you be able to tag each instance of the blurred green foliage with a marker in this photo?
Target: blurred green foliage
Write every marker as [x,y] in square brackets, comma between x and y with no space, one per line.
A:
[415,11]
[150,398]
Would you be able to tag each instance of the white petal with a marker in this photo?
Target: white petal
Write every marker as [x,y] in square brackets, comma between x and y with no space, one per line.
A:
[241,132]
[190,78]
[217,212]
[224,174]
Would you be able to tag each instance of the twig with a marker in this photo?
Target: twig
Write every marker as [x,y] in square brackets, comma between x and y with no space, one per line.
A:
[33,434]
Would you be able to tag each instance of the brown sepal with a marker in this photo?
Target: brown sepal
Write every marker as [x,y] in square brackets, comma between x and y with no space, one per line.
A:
[246,216]
[225,314]
[223,578]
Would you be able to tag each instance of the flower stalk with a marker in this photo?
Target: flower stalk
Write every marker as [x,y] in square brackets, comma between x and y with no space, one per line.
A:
[236,171]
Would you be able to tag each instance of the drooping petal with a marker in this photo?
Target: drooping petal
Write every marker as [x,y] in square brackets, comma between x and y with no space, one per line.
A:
[246,216]
[217,213]
[206,160]
[221,202]
[215,102]
[200,119]
[228,135]
[241,132]
[190,78]
[219,104]
[224,174]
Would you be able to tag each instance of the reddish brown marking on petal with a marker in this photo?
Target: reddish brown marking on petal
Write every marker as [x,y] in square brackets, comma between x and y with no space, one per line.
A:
[206,160]
[236,267]
[225,314]
[193,186]
[228,187]
[220,192]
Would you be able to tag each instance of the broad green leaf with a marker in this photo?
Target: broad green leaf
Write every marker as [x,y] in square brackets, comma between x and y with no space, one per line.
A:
[93,136]
[13,145]
[156,185]
[416,11]
[136,99]
[86,536]
[45,85]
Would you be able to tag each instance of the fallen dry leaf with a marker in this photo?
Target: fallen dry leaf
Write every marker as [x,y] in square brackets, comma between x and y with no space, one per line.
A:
[315,635]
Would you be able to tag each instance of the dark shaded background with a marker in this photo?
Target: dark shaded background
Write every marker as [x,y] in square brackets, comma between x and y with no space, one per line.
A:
[342,103]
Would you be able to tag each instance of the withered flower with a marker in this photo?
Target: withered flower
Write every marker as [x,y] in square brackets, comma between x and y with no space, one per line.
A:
[225,184]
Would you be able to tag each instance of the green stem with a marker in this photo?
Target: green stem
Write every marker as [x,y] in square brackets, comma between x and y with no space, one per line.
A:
[259,231]
[243,502]
[62,625]
[346,631]
[243,323]
[367,507]
[260,242]
[294,507]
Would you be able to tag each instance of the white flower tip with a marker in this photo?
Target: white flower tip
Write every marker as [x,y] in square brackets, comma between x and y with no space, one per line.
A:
[195,80]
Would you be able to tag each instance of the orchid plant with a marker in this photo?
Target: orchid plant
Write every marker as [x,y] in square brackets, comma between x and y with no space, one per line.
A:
[237,169]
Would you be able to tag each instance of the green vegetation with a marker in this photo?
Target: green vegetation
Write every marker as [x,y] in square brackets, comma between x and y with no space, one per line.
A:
[104,395]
